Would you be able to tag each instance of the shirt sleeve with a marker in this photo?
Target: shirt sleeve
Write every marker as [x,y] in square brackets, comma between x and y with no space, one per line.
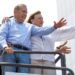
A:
[63,34]
[3,34]
[40,31]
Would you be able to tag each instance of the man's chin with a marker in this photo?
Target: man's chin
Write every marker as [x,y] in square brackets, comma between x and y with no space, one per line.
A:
[22,20]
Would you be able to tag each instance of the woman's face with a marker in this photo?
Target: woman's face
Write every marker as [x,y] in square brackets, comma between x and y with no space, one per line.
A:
[38,20]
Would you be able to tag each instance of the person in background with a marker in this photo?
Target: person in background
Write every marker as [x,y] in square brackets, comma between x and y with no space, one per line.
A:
[46,43]
[16,35]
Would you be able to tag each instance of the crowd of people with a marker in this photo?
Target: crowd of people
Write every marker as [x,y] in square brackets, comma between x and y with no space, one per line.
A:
[17,34]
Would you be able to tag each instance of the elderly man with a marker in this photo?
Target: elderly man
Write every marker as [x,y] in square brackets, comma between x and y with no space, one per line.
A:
[16,35]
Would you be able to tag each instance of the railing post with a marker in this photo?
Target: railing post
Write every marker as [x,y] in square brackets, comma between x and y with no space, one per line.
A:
[63,64]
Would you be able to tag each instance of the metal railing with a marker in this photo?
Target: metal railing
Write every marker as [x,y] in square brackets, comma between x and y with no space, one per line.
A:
[37,66]
[63,62]
[60,57]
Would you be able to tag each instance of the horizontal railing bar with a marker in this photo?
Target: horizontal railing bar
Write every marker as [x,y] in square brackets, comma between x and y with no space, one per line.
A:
[35,66]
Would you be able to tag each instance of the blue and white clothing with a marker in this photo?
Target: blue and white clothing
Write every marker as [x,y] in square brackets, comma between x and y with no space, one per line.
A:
[47,43]
[20,33]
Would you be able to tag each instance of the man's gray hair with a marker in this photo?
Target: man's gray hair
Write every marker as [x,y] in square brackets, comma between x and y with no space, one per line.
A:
[19,6]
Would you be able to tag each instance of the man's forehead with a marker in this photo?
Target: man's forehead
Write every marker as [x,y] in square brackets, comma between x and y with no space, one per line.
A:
[23,7]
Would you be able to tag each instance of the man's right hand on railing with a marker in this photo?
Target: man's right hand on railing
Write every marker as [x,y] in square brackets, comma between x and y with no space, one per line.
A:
[9,50]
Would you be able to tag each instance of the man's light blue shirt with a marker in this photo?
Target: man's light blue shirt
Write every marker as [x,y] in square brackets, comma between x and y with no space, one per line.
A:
[20,33]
